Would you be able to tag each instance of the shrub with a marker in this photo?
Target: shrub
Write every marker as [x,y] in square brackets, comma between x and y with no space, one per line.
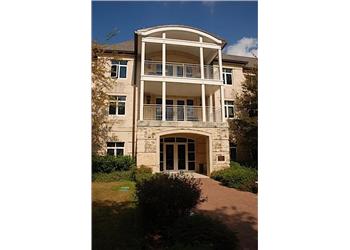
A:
[164,198]
[142,174]
[107,164]
[113,176]
[237,176]
[199,232]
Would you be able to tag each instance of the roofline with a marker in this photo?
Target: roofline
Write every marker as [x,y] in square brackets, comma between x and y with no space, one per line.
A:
[150,30]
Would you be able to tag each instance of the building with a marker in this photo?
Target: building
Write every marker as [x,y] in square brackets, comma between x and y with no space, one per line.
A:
[174,91]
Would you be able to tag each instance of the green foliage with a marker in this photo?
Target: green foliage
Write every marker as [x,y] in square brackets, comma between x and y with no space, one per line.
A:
[142,174]
[237,176]
[164,198]
[107,164]
[113,176]
[199,232]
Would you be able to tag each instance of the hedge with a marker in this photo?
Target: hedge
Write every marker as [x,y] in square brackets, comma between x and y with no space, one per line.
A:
[108,164]
[237,176]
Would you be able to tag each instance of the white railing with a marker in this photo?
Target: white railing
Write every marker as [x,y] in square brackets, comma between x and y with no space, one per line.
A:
[181,113]
[183,70]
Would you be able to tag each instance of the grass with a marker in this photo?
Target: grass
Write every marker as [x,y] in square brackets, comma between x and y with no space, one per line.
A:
[115,219]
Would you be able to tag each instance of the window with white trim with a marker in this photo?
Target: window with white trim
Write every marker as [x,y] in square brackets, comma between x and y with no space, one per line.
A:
[115,148]
[227,76]
[116,105]
[119,69]
[229,109]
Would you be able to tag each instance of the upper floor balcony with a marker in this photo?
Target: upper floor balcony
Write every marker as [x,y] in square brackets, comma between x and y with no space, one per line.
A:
[181,70]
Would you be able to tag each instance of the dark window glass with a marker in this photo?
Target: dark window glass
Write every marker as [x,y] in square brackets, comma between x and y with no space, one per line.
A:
[190,140]
[120,144]
[161,166]
[161,157]
[179,71]
[159,101]
[189,102]
[191,157]
[161,145]
[169,155]
[158,69]
[188,71]
[230,112]
[110,144]
[229,79]
[171,139]
[112,108]
[120,151]
[233,152]
[123,62]
[190,146]
[181,156]
[121,108]
[114,71]
[122,73]
[181,139]
[169,70]
[110,151]
[121,98]
[191,166]
[113,97]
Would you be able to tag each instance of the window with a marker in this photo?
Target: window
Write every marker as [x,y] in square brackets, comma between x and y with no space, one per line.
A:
[191,156]
[229,109]
[115,148]
[117,105]
[227,76]
[119,69]
[233,151]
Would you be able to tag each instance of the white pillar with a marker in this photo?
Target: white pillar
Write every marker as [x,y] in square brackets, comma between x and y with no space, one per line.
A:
[210,108]
[220,64]
[141,99]
[163,56]
[143,47]
[203,102]
[163,101]
[222,98]
[201,58]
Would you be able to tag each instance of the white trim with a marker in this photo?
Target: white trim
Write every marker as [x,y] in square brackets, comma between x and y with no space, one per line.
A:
[180,80]
[204,118]
[115,148]
[222,97]
[227,106]
[117,105]
[160,29]
[225,76]
[118,65]
[142,87]
[163,101]
[180,42]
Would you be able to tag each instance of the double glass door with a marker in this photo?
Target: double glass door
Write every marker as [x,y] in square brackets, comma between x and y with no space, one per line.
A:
[175,156]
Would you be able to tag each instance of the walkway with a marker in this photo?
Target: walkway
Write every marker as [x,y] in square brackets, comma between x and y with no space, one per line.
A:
[237,209]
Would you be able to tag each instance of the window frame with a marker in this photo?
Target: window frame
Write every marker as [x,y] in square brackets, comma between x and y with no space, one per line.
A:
[119,65]
[117,102]
[115,148]
[227,106]
[225,73]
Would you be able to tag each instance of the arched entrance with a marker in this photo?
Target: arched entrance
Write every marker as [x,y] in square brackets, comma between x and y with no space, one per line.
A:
[187,151]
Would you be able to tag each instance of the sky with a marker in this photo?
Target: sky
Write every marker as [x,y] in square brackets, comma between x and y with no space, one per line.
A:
[236,22]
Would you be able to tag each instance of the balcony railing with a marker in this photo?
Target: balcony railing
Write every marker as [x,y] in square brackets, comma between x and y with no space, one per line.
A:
[182,70]
[181,113]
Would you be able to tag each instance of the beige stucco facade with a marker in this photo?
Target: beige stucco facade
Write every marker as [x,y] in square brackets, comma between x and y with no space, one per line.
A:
[160,103]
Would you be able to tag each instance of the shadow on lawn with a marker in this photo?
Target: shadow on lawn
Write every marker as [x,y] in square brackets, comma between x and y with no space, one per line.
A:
[241,222]
[116,225]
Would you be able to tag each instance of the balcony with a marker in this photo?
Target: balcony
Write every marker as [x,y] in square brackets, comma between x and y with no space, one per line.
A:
[153,112]
[181,70]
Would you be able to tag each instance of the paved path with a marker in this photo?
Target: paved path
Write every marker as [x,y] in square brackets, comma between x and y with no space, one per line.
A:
[236,209]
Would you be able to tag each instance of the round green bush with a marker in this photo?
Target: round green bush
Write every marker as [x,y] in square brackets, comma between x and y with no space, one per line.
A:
[164,198]
[108,163]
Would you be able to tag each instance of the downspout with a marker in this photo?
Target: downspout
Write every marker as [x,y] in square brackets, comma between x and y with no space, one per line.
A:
[134,148]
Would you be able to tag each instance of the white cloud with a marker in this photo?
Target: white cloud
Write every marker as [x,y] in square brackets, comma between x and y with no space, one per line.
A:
[247,46]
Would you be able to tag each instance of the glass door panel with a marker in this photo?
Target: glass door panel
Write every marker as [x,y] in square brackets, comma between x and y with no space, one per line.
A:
[181,156]
[169,156]
[180,110]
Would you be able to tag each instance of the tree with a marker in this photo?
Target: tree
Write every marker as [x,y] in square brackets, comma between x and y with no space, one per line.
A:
[101,83]
[244,128]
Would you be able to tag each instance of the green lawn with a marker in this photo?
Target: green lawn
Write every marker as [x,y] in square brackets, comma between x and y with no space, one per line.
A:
[115,220]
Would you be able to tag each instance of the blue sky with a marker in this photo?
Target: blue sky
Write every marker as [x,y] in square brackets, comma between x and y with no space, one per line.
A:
[234,21]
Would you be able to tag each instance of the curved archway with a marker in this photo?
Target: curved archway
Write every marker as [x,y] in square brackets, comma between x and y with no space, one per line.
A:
[188,132]
[151,30]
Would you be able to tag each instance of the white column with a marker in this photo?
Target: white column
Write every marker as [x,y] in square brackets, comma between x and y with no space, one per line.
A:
[201,58]
[141,99]
[143,47]
[222,98]
[163,100]
[210,108]
[220,64]
[163,56]
[203,102]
